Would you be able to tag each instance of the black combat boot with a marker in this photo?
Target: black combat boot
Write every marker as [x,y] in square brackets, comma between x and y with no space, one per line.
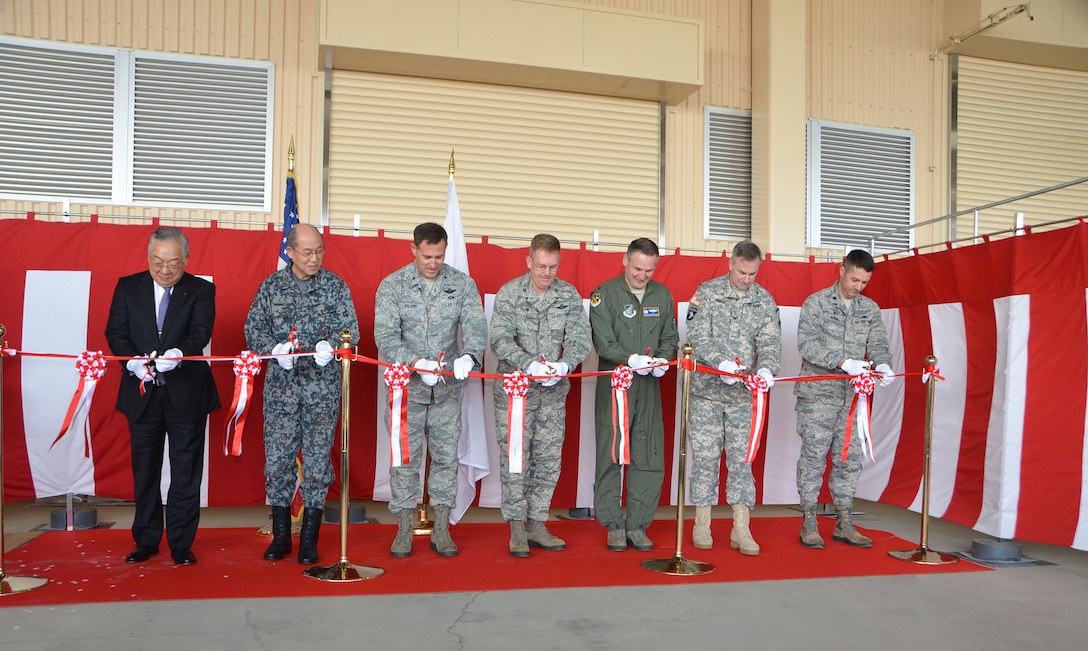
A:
[307,542]
[281,534]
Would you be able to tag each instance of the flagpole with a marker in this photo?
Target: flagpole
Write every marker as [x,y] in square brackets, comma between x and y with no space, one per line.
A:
[9,584]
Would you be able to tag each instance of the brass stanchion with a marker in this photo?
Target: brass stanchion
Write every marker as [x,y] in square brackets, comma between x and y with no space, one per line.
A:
[425,526]
[343,571]
[9,584]
[678,565]
[923,555]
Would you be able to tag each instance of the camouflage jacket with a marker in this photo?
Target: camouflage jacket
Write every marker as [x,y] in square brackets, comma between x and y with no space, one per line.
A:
[320,313]
[724,323]
[413,321]
[828,331]
[526,326]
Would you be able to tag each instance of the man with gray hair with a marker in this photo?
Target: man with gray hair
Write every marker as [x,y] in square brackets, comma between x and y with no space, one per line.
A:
[300,308]
[734,325]
[155,318]
[538,327]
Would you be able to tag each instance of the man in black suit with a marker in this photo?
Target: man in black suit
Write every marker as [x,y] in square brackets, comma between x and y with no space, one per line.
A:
[156,317]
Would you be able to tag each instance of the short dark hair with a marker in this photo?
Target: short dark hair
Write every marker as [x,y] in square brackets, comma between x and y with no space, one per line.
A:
[859,258]
[544,242]
[747,250]
[429,232]
[643,245]
[169,234]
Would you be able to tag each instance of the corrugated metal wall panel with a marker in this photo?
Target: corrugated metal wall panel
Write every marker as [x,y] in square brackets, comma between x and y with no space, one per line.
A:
[1021,128]
[527,160]
[284,32]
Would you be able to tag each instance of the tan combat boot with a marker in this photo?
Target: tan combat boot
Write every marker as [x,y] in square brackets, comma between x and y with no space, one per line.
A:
[539,536]
[402,544]
[441,541]
[700,535]
[810,530]
[519,545]
[845,531]
[740,537]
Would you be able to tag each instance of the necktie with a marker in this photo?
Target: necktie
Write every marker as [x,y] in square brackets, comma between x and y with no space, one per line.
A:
[164,303]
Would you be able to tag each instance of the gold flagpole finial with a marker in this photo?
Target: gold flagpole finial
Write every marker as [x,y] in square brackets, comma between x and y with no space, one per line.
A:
[291,156]
[453,166]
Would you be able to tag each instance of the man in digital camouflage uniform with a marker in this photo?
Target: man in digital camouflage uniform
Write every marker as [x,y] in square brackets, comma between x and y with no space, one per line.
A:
[418,310]
[540,328]
[839,332]
[633,322]
[300,308]
[733,324]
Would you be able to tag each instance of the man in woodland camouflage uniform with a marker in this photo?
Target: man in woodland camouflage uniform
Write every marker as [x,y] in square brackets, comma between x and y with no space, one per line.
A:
[418,310]
[301,394]
[733,324]
[540,328]
[839,331]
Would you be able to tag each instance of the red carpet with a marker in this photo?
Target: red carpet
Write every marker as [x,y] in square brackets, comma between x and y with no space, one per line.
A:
[88,566]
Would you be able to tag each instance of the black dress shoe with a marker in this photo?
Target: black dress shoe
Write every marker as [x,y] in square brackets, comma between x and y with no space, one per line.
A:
[141,553]
[184,557]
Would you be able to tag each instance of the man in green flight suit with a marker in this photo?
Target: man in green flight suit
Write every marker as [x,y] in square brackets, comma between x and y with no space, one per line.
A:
[633,323]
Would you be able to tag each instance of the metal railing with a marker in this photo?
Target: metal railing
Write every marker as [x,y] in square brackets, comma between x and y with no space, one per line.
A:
[975,211]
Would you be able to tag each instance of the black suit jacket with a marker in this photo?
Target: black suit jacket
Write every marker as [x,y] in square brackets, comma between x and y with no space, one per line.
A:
[132,331]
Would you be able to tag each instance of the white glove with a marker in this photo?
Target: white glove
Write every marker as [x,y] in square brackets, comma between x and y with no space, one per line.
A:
[462,366]
[285,362]
[430,379]
[767,376]
[558,370]
[855,366]
[886,374]
[658,371]
[730,366]
[538,370]
[167,361]
[322,353]
[138,367]
[640,363]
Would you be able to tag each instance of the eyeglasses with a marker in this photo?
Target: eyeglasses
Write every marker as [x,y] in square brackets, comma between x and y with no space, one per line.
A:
[310,253]
[159,265]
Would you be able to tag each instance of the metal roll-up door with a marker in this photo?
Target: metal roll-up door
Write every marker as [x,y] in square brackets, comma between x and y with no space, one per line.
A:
[527,160]
[1020,128]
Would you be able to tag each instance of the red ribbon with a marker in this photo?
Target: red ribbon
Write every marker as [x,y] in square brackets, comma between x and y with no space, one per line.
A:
[516,386]
[759,388]
[247,365]
[863,388]
[91,366]
[622,376]
[396,378]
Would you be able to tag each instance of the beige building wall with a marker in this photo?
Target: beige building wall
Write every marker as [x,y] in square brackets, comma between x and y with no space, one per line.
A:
[868,62]
[283,32]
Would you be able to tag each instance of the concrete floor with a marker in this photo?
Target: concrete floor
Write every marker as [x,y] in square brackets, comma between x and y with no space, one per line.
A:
[1023,607]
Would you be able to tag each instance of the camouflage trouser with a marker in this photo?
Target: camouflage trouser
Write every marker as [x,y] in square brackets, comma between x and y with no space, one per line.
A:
[309,426]
[528,494]
[710,423]
[441,424]
[821,423]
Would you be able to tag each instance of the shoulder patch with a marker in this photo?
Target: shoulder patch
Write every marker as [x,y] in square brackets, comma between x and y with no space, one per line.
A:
[695,300]
[595,299]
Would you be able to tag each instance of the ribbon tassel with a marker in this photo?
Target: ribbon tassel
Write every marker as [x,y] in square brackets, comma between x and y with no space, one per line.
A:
[396,378]
[622,377]
[91,366]
[516,386]
[759,388]
[247,366]
[859,411]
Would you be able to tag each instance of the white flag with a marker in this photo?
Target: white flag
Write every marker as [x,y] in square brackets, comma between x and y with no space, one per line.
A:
[472,454]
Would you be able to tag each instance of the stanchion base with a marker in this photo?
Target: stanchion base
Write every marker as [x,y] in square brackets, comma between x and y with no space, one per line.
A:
[343,572]
[17,584]
[678,566]
[923,556]
[266,530]
[424,528]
